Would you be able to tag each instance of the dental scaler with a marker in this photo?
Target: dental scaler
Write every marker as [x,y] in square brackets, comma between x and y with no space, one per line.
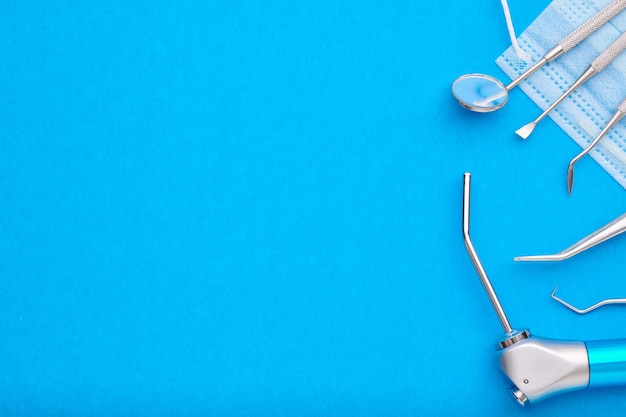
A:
[539,368]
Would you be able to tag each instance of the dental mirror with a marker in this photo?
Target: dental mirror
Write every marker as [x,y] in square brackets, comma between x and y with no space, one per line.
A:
[483,93]
[480,93]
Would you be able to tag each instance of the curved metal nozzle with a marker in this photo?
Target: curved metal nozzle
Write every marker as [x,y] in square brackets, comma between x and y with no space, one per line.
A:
[606,232]
[590,308]
[476,261]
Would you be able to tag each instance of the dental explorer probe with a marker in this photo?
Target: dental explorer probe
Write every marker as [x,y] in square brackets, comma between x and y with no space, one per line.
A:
[590,308]
[606,232]
[539,368]
[601,62]
[483,93]
[619,113]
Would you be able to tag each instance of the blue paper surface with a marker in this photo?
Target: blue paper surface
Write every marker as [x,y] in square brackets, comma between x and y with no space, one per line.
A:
[254,208]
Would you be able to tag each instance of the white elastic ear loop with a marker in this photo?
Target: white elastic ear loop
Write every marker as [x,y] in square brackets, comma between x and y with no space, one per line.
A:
[525,56]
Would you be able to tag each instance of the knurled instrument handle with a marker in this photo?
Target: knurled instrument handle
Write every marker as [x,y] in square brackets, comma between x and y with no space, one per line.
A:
[591,25]
[610,53]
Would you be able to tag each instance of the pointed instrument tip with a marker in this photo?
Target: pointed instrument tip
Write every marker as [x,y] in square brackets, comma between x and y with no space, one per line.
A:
[525,131]
[570,178]
[554,291]
[539,258]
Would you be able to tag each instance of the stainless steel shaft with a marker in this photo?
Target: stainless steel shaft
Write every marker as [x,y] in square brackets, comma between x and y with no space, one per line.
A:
[491,293]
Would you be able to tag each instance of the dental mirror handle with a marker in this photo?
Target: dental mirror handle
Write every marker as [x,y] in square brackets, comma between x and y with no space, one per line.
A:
[591,25]
[573,39]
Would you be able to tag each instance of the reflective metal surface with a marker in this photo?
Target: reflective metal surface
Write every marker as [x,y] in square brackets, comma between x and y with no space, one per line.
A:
[491,293]
[619,114]
[590,308]
[541,368]
[480,93]
[606,232]
[464,88]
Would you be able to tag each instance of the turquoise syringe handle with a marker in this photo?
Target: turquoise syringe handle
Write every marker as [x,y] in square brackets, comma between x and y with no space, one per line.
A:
[607,362]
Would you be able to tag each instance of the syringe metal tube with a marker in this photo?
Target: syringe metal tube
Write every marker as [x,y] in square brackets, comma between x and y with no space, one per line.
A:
[491,293]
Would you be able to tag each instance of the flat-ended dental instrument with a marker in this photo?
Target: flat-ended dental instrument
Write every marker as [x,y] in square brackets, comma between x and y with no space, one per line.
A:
[606,232]
[590,308]
[601,62]
[483,93]
[619,114]
[539,368]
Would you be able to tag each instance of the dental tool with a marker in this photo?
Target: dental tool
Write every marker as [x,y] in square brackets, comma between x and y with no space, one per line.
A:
[619,113]
[491,293]
[483,93]
[606,232]
[539,368]
[590,308]
[600,63]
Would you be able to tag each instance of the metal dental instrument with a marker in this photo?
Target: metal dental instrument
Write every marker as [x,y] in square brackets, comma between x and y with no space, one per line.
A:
[598,64]
[619,113]
[474,257]
[590,308]
[539,368]
[483,93]
[612,229]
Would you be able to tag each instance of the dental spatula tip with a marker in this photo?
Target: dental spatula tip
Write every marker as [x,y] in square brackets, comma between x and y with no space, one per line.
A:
[525,131]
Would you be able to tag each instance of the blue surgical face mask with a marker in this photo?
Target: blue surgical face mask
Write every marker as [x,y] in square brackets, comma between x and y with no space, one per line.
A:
[586,111]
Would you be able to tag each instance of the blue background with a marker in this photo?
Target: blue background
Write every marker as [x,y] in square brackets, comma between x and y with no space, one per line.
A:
[254,208]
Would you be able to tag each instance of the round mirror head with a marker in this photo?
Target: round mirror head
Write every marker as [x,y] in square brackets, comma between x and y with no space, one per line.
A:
[480,93]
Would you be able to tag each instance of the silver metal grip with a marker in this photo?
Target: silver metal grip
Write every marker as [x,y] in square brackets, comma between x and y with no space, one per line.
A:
[622,106]
[540,368]
[592,24]
[604,233]
[610,53]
